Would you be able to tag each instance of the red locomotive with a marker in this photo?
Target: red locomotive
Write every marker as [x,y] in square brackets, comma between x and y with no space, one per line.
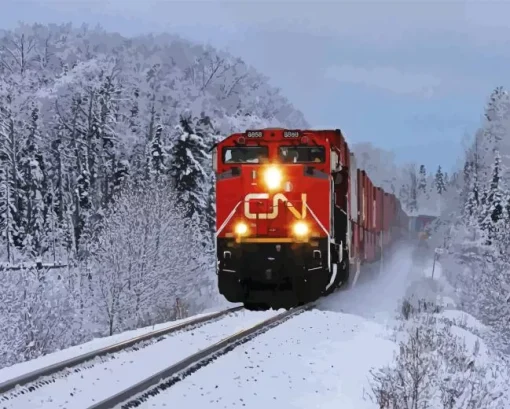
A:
[295,217]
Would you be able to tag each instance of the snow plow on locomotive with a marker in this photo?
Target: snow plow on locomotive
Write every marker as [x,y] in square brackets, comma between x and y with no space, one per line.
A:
[290,224]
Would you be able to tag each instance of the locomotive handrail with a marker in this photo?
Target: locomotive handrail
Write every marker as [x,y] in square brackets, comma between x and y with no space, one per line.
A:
[317,220]
[228,219]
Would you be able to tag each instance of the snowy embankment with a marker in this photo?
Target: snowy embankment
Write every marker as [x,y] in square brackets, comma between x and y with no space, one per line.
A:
[322,358]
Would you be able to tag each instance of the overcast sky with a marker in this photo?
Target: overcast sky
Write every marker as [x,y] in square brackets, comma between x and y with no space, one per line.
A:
[411,77]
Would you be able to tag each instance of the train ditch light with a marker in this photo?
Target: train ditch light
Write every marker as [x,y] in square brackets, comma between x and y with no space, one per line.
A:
[300,229]
[241,229]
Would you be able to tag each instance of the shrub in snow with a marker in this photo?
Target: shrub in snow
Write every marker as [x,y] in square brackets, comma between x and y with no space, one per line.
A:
[410,308]
[435,369]
[144,256]
[36,314]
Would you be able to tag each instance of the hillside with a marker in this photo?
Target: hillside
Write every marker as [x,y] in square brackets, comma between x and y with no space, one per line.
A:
[86,106]
[474,224]
[93,127]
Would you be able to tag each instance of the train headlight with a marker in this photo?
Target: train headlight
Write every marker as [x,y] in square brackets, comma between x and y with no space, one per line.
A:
[273,177]
[241,229]
[300,229]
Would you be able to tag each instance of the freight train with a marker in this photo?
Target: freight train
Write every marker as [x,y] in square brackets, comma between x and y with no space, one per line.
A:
[295,217]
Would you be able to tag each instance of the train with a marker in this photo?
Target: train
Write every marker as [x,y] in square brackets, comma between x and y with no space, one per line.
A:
[295,217]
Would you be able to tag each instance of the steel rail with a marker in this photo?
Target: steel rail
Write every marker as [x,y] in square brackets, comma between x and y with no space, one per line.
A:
[27,378]
[174,373]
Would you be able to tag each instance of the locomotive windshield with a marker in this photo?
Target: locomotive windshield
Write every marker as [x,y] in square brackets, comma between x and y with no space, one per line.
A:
[245,154]
[302,154]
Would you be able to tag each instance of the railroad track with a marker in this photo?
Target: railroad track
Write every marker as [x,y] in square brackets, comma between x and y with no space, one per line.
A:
[142,391]
[33,380]
[129,373]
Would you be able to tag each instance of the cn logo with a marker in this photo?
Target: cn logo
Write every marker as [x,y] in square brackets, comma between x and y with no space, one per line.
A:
[279,197]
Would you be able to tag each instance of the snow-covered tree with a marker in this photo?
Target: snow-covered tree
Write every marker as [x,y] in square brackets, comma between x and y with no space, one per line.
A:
[143,257]
[35,188]
[36,314]
[439,181]
[493,205]
[84,114]
[422,181]
[478,215]
[189,154]
[410,188]
[157,156]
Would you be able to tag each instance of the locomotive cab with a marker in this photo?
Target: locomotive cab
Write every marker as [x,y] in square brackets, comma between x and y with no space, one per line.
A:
[279,229]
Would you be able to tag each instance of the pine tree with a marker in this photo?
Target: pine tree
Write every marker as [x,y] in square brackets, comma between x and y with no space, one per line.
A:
[34,187]
[106,134]
[157,158]
[492,211]
[413,189]
[205,129]
[439,181]
[496,194]
[187,171]
[473,200]
[497,109]
[422,181]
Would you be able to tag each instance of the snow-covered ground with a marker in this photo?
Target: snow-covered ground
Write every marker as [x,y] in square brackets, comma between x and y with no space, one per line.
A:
[106,376]
[379,291]
[319,359]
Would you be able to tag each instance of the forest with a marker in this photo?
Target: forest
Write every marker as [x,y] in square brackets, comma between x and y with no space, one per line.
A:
[97,129]
[474,224]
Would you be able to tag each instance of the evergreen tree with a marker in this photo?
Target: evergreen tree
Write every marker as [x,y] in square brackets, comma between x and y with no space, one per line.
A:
[188,156]
[413,189]
[439,181]
[157,155]
[493,206]
[422,181]
[106,134]
[473,201]
[205,129]
[34,187]
[497,109]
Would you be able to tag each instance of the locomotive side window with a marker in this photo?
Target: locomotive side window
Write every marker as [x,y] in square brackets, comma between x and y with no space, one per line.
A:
[245,154]
[302,154]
